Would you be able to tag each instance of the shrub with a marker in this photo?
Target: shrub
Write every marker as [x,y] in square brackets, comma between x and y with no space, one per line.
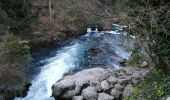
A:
[13,57]
[155,86]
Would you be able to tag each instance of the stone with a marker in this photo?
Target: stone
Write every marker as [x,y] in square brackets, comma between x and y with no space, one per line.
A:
[2,98]
[77,98]
[105,85]
[115,93]
[128,90]
[88,83]
[136,75]
[135,81]
[168,98]
[144,64]
[123,62]
[69,94]
[119,74]
[96,84]
[104,96]
[89,93]
[119,87]
[124,81]
[72,85]
[112,80]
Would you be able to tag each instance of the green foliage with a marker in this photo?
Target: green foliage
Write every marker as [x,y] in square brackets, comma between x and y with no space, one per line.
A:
[136,58]
[15,13]
[155,86]
[149,19]
[13,57]
[13,51]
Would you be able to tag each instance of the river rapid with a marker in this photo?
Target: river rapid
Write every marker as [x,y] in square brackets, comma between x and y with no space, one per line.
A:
[104,49]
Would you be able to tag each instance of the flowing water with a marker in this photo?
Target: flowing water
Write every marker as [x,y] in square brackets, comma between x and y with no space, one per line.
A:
[92,49]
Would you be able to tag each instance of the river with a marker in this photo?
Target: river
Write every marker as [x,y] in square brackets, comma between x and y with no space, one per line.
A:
[90,50]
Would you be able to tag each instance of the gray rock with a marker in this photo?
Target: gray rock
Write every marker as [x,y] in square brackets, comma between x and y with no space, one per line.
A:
[104,96]
[112,80]
[77,98]
[118,74]
[72,85]
[136,75]
[168,98]
[96,84]
[115,93]
[119,87]
[92,81]
[124,81]
[135,81]
[105,85]
[69,94]
[128,90]
[2,98]
[144,64]
[122,77]
[89,93]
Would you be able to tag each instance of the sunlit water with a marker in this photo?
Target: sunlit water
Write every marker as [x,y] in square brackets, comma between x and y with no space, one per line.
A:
[69,58]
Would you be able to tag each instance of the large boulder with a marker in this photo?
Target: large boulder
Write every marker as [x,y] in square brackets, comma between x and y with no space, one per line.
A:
[72,85]
[89,93]
[115,93]
[112,80]
[105,85]
[119,87]
[98,84]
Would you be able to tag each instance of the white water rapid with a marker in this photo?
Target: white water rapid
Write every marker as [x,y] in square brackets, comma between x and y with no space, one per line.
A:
[70,57]
[65,59]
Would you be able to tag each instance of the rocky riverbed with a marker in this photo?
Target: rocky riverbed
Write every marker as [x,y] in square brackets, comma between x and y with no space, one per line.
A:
[98,84]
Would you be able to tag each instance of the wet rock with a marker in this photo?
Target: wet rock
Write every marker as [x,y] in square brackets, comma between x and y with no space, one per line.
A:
[94,51]
[128,90]
[77,98]
[105,85]
[104,96]
[115,93]
[61,86]
[89,93]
